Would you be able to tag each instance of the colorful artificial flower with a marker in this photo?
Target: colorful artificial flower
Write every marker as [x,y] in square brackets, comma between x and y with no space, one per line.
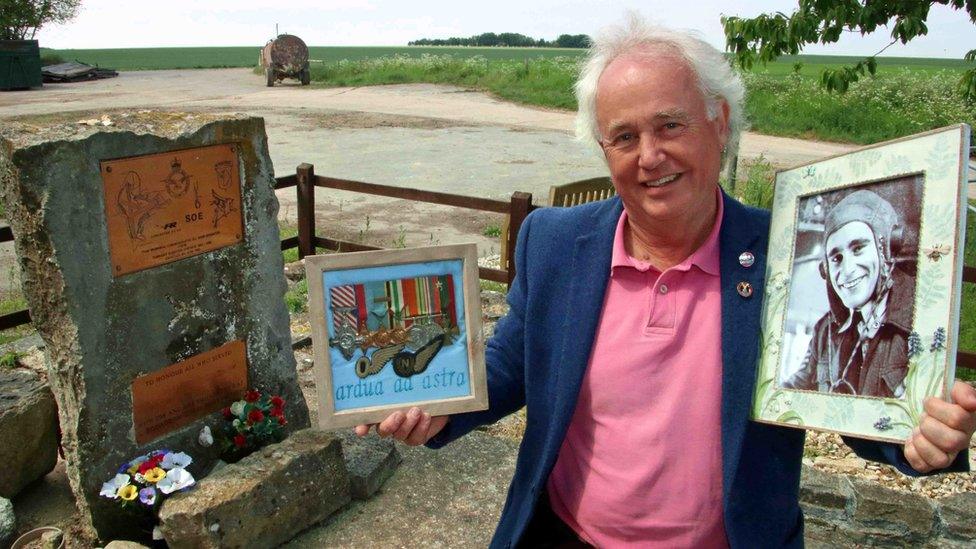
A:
[147,496]
[255,416]
[155,475]
[128,492]
[177,459]
[143,478]
[254,421]
[175,480]
[111,488]
[237,408]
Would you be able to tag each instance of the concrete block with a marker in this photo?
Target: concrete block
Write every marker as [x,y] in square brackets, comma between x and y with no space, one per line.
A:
[263,500]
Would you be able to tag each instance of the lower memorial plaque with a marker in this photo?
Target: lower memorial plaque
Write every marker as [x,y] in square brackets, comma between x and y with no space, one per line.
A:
[181,393]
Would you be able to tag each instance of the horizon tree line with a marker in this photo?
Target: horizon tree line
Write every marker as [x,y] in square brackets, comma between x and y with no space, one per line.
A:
[507,39]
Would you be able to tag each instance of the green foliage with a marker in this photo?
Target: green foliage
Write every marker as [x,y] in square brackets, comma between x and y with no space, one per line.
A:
[297,298]
[20,19]
[967,313]
[767,36]
[51,59]
[894,103]
[757,189]
[10,359]
[492,286]
[546,81]
[400,241]
[12,303]
[492,231]
[507,39]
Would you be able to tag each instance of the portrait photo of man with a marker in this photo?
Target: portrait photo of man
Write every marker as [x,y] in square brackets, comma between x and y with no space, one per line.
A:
[863,252]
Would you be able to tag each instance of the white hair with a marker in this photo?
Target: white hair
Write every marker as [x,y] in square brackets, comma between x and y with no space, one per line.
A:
[716,79]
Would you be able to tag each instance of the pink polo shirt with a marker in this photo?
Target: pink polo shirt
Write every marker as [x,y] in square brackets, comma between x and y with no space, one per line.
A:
[641,464]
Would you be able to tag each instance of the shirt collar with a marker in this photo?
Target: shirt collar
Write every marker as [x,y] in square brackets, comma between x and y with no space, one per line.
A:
[705,257]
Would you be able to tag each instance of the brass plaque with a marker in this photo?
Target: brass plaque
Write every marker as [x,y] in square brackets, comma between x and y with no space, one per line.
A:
[182,393]
[165,207]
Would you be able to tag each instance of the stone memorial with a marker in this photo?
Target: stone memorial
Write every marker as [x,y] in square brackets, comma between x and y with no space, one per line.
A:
[150,257]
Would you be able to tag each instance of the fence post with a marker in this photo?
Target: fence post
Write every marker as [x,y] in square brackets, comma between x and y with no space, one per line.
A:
[306,209]
[519,208]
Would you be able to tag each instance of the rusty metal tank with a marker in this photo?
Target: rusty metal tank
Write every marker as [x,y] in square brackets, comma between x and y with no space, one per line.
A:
[285,57]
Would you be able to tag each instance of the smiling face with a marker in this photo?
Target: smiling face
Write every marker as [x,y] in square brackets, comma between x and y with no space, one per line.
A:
[853,264]
[663,152]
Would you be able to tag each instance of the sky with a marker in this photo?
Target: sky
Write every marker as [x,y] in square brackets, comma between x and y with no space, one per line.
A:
[139,23]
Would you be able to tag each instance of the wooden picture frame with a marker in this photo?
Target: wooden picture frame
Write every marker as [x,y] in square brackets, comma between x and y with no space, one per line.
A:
[863,287]
[392,329]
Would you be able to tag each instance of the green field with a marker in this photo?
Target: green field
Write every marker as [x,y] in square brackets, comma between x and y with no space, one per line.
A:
[247,56]
[203,58]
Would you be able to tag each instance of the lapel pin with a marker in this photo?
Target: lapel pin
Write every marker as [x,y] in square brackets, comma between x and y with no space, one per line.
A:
[746,259]
[744,289]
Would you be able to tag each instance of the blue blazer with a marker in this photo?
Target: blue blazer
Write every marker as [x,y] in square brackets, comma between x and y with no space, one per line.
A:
[540,351]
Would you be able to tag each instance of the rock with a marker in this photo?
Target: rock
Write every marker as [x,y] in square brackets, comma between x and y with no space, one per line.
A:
[28,430]
[295,271]
[124,544]
[826,499]
[959,516]
[824,493]
[208,275]
[263,500]
[371,460]
[8,522]
[891,517]
[846,465]
[53,539]
[493,304]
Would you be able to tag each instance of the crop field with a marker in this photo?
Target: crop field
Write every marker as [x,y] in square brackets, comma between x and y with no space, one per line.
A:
[204,58]
[247,56]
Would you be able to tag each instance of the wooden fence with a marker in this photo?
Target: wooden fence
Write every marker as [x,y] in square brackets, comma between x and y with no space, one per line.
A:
[307,240]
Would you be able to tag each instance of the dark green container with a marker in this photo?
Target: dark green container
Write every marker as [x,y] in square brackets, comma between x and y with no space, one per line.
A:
[20,64]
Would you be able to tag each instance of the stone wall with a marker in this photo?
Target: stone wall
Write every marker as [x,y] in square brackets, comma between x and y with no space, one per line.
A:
[844,511]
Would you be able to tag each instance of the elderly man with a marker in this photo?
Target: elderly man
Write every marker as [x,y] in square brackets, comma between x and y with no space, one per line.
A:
[632,333]
[860,346]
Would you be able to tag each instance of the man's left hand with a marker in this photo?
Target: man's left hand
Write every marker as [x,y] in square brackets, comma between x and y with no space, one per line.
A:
[943,431]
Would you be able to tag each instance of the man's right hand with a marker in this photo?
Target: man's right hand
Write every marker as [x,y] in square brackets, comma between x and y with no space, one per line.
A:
[413,427]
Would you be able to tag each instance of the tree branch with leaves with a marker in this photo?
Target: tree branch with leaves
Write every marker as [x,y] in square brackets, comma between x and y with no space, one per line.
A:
[768,36]
[20,19]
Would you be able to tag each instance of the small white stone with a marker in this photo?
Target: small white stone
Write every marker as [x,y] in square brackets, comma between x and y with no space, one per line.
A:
[206,437]
[215,527]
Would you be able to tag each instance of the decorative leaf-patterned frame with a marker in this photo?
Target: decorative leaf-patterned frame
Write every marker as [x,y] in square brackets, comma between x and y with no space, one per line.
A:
[941,156]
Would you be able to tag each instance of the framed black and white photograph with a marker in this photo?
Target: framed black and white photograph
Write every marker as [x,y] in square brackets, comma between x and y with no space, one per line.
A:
[863,287]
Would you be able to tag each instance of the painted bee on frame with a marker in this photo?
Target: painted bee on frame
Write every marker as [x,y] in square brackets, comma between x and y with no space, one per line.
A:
[936,252]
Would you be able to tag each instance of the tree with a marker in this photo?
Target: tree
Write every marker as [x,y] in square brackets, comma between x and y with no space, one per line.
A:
[766,37]
[573,41]
[20,19]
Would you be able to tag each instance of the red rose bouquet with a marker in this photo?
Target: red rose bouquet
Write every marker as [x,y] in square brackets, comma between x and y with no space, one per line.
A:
[255,421]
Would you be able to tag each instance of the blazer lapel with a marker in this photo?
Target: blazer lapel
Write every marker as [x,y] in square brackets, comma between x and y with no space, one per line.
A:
[741,232]
[589,274]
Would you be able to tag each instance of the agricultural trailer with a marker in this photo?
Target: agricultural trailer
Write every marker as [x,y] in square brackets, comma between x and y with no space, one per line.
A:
[285,57]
